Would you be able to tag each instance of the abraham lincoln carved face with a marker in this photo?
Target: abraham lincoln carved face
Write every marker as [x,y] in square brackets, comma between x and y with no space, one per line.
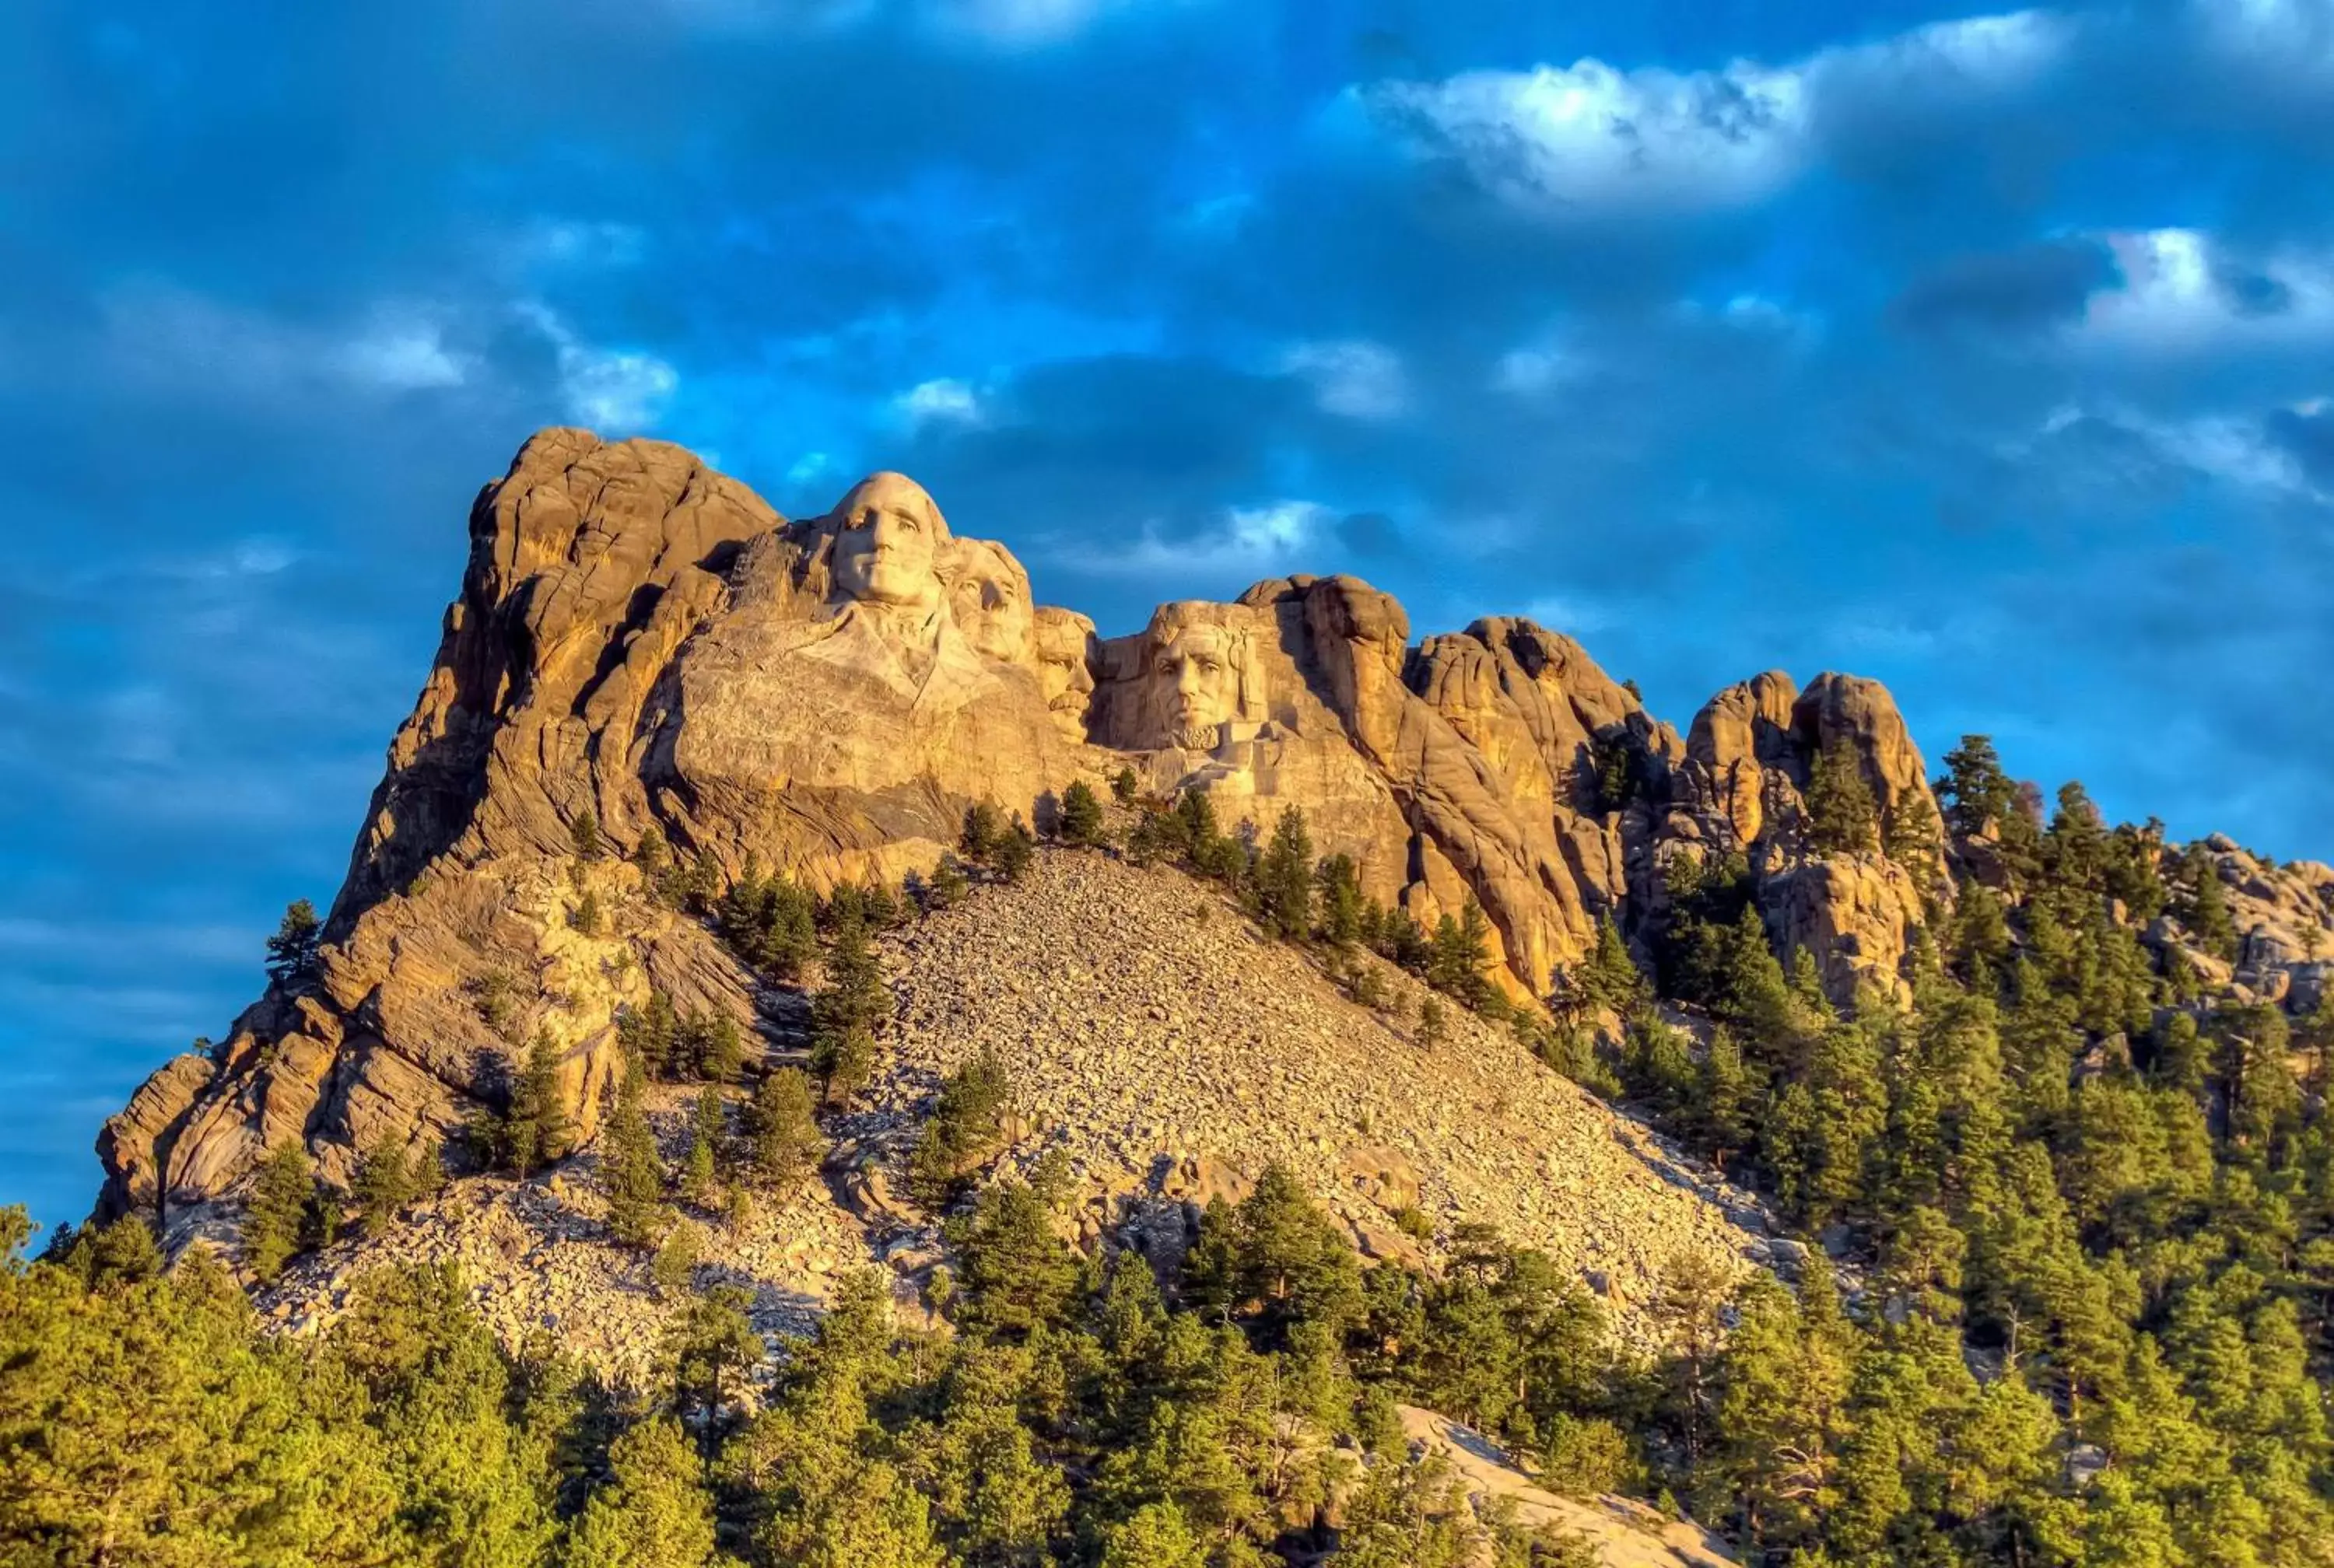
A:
[1200,674]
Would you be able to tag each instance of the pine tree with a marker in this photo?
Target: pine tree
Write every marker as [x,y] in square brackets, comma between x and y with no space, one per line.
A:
[536,1133]
[652,857]
[2074,850]
[1607,979]
[1910,836]
[1726,1104]
[968,1125]
[1081,816]
[631,1174]
[948,884]
[1842,817]
[1284,878]
[1344,913]
[1974,788]
[648,1033]
[293,950]
[1615,771]
[655,1511]
[844,1061]
[2204,909]
[583,835]
[700,886]
[279,1198]
[983,827]
[1123,786]
[1155,1536]
[675,1263]
[1433,1025]
[1020,1276]
[787,1143]
[1015,852]
[704,1167]
[844,1014]
[384,1182]
[720,1052]
[588,920]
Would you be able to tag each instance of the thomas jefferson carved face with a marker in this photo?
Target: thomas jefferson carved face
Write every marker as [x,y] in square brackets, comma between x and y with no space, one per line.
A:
[1197,682]
[888,543]
[990,597]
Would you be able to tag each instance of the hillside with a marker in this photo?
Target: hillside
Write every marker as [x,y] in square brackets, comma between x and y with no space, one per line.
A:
[860,1143]
[1171,1052]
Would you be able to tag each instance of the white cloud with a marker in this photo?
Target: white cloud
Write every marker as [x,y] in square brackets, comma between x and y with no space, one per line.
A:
[2287,42]
[810,465]
[944,401]
[1275,530]
[168,336]
[402,356]
[1013,21]
[2234,450]
[1592,136]
[1536,368]
[580,242]
[1357,379]
[616,390]
[1003,24]
[1573,616]
[1256,542]
[610,389]
[2181,292]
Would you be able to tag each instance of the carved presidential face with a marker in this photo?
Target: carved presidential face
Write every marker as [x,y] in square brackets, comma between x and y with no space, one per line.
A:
[1065,646]
[1197,683]
[888,543]
[990,599]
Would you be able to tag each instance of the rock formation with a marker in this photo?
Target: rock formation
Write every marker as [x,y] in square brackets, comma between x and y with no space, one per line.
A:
[642,648]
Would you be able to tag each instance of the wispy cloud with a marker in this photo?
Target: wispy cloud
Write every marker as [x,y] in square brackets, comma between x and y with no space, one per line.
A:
[940,401]
[2184,290]
[1356,378]
[1259,540]
[616,392]
[1592,137]
[170,337]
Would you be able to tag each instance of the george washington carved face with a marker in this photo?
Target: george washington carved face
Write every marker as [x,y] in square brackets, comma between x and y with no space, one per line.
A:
[888,543]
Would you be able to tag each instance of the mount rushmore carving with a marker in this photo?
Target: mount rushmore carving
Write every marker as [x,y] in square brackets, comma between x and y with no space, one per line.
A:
[645,640]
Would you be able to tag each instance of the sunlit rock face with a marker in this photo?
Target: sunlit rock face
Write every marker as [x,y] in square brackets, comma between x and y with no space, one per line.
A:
[1067,651]
[644,641]
[989,593]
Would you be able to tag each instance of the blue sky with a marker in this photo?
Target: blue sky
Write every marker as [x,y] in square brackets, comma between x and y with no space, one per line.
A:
[1990,355]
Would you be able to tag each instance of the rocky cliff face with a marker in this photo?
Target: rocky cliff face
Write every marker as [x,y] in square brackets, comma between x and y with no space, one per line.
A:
[645,643]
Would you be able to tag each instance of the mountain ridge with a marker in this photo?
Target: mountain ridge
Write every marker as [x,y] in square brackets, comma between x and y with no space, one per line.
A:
[642,643]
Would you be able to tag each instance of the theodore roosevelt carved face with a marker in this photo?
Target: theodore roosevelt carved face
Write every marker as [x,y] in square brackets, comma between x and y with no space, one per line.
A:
[1064,642]
[888,544]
